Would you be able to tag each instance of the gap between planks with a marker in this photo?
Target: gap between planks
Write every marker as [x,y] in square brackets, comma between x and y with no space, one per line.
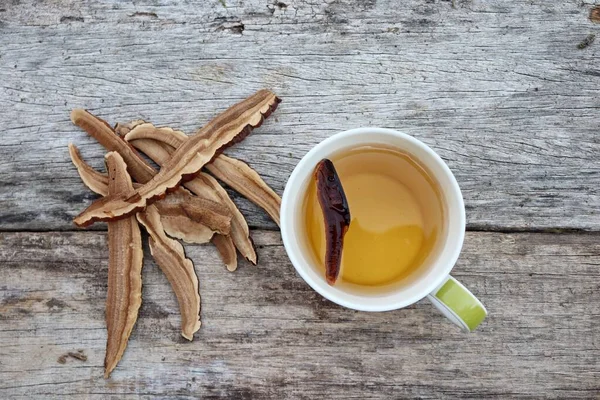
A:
[476,228]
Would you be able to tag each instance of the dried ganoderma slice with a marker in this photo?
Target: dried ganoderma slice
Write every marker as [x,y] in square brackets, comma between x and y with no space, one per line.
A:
[207,186]
[226,249]
[234,124]
[207,212]
[94,180]
[201,185]
[182,227]
[122,129]
[104,134]
[164,135]
[179,270]
[124,269]
[244,180]
[168,253]
[235,173]
[179,226]
[240,233]
[184,199]
[190,231]
[336,215]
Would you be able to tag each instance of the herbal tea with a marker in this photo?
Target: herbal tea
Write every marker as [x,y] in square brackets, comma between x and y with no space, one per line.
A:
[397,216]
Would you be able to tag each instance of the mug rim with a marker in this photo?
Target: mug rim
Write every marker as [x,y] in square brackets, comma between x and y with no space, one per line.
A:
[293,248]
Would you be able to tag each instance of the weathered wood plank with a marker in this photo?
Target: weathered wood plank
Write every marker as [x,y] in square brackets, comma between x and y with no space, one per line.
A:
[499,88]
[266,334]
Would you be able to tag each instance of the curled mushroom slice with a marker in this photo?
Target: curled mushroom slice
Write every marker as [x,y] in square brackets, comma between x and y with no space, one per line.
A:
[155,151]
[240,233]
[244,180]
[124,269]
[184,228]
[164,135]
[207,212]
[336,215]
[235,173]
[226,249]
[179,270]
[167,252]
[179,226]
[94,180]
[123,129]
[99,129]
[230,126]
[206,186]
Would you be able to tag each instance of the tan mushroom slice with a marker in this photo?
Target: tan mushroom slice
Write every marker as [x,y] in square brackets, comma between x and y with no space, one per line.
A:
[179,270]
[141,171]
[170,137]
[94,180]
[206,186]
[207,212]
[99,129]
[124,269]
[240,177]
[180,226]
[184,228]
[226,249]
[168,253]
[123,129]
[235,173]
[230,126]
[240,233]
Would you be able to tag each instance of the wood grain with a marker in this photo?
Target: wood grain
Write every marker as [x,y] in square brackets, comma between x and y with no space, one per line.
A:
[498,88]
[266,334]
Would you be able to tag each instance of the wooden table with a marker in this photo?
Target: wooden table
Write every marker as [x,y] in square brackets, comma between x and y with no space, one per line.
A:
[499,88]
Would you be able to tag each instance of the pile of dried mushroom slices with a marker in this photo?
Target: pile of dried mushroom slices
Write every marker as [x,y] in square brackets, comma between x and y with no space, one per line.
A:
[179,201]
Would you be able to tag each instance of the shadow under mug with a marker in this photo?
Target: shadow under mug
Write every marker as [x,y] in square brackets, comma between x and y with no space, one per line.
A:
[433,280]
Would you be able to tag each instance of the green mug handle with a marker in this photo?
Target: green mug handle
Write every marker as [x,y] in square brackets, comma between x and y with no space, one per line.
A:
[458,304]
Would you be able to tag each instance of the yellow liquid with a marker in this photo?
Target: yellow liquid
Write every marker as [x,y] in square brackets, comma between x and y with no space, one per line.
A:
[397,216]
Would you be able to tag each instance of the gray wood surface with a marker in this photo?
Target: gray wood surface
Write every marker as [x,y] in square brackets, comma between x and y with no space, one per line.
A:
[266,334]
[499,88]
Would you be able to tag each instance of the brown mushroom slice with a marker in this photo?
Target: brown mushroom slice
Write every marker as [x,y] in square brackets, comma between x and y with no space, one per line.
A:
[124,295]
[179,270]
[226,249]
[99,129]
[336,216]
[240,177]
[200,185]
[167,252]
[207,186]
[164,135]
[123,129]
[235,173]
[178,226]
[229,127]
[157,152]
[94,180]
[184,228]
[240,233]
[207,212]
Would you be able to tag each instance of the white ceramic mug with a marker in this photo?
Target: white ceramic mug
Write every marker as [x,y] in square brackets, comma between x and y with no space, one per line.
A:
[433,281]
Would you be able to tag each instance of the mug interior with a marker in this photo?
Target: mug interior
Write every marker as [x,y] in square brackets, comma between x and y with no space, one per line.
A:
[400,294]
